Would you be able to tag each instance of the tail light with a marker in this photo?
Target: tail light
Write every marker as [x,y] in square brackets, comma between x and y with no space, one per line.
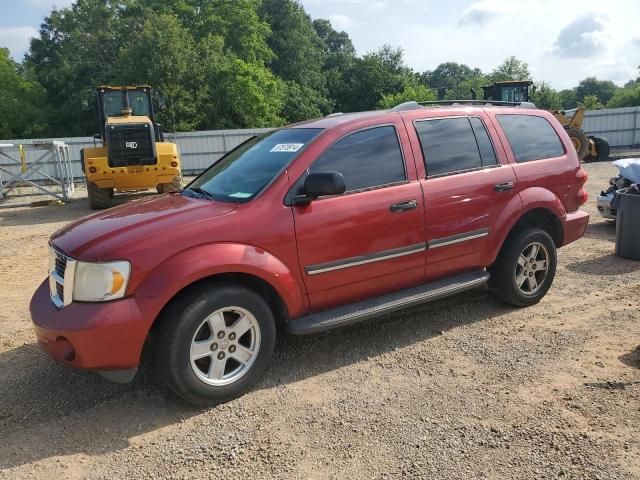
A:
[93,169]
[583,196]
[174,164]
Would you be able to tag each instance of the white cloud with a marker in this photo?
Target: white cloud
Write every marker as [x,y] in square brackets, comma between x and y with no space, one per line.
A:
[481,13]
[16,39]
[341,22]
[583,37]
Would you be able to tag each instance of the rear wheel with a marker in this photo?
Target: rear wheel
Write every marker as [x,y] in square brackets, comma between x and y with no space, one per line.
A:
[99,198]
[580,141]
[525,268]
[214,343]
[174,186]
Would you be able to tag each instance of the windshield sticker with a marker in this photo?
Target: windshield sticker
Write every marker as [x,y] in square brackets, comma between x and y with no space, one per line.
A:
[240,195]
[287,147]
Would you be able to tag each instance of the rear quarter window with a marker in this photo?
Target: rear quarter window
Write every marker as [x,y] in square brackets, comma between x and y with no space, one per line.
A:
[531,137]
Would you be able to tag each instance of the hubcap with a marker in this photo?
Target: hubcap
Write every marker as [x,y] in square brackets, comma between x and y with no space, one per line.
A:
[532,268]
[224,346]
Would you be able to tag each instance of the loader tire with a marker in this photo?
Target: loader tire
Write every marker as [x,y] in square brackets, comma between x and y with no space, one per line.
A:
[174,186]
[580,141]
[99,198]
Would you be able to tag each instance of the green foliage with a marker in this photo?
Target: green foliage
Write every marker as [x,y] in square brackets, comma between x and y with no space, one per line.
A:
[511,69]
[603,90]
[568,98]
[462,91]
[546,97]
[21,100]
[418,93]
[448,77]
[626,97]
[591,102]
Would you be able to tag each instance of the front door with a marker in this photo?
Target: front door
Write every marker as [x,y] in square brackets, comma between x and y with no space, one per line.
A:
[369,240]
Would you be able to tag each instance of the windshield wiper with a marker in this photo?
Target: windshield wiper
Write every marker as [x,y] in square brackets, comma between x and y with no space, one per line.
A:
[200,192]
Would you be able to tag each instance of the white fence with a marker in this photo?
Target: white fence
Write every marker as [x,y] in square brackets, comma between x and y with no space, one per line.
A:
[197,149]
[620,126]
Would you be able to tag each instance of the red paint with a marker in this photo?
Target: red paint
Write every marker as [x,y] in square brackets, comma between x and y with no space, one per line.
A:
[173,241]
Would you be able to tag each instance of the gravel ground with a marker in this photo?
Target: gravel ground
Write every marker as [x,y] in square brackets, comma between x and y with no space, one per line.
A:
[461,388]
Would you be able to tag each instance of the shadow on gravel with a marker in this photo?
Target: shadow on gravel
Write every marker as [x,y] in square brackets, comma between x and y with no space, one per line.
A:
[602,231]
[604,265]
[49,410]
[632,358]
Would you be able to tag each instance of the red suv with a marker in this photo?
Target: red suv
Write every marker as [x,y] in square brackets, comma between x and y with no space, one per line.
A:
[311,227]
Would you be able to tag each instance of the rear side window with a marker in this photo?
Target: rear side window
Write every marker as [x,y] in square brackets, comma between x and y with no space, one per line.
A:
[530,137]
[369,158]
[454,144]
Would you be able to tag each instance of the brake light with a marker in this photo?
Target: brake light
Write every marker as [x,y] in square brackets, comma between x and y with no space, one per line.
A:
[93,169]
[583,196]
[174,164]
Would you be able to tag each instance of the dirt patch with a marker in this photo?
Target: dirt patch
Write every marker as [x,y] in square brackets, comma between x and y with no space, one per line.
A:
[461,388]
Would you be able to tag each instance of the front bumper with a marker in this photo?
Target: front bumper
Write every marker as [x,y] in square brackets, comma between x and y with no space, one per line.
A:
[575,224]
[105,336]
[604,206]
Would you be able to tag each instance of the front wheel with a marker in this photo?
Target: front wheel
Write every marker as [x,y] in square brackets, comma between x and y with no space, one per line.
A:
[524,269]
[214,343]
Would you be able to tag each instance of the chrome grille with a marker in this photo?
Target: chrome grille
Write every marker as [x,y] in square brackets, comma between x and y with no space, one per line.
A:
[61,272]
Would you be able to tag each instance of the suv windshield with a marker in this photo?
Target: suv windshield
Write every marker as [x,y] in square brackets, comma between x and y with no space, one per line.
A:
[244,172]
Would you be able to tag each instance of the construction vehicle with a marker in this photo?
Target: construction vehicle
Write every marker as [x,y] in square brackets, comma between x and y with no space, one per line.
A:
[133,155]
[589,148]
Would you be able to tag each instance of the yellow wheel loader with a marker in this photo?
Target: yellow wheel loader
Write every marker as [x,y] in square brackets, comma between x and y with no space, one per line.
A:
[133,155]
[589,148]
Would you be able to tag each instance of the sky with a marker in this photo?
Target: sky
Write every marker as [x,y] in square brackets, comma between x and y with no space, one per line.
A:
[563,41]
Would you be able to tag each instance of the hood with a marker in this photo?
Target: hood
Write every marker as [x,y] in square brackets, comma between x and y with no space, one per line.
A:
[121,231]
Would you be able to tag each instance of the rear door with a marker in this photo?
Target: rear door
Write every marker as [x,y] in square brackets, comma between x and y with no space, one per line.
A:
[466,185]
[369,240]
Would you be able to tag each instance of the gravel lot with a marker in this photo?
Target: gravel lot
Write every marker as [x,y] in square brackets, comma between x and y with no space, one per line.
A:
[460,388]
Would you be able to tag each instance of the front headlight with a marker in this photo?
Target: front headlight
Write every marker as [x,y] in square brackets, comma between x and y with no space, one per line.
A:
[99,282]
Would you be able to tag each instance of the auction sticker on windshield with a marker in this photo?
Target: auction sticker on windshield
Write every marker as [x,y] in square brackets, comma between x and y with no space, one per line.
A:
[287,147]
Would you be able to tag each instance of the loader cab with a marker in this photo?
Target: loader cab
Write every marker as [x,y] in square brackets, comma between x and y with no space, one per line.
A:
[508,91]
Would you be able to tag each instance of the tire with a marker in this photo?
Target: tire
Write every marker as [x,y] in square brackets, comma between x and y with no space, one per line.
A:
[580,141]
[603,148]
[174,186]
[99,198]
[189,346]
[509,268]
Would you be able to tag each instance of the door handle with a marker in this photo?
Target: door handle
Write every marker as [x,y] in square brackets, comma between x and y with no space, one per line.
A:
[403,206]
[503,187]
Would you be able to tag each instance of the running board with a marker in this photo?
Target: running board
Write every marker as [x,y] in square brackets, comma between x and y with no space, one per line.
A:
[375,307]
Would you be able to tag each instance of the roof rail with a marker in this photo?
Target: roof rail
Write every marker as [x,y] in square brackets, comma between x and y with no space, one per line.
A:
[336,114]
[413,105]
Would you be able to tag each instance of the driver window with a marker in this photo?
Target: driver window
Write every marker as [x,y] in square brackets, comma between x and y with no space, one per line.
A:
[366,159]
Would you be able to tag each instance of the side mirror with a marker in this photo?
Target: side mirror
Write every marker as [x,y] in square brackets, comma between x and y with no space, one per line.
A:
[320,184]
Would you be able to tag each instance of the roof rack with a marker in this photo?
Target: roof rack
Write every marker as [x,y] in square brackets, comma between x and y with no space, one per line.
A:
[413,105]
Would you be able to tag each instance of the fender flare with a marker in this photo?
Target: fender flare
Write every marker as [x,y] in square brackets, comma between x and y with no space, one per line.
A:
[197,263]
[527,200]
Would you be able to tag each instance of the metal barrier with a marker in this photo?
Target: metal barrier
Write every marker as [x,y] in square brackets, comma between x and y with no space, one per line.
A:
[48,171]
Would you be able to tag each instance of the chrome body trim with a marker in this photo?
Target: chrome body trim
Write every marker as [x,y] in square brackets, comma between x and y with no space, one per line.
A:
[364,259]
[463,237]
[56,279]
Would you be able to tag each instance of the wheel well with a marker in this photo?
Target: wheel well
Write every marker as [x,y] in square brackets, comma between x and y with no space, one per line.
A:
[258,285]
[543,219]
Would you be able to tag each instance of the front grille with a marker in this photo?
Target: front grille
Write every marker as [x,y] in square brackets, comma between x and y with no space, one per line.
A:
[131,145]
[61,271]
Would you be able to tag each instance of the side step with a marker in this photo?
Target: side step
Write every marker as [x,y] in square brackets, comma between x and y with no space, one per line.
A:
[375,307]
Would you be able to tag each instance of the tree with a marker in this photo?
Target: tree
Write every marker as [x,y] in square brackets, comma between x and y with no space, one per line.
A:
[416,93]
[591,102]
[568,98]
[603,90]
[546,97]
[22,114]
[462,91]
[626,97]
[450,75]
[510,69]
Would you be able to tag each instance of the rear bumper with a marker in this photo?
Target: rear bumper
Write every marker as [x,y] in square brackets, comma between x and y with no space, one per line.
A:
[574,224]
[96,336]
